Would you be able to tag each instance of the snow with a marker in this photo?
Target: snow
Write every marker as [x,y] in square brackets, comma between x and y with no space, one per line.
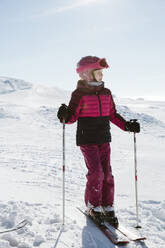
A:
[31,171]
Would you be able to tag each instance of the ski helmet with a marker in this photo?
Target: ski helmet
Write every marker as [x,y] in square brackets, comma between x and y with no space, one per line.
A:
[89,63]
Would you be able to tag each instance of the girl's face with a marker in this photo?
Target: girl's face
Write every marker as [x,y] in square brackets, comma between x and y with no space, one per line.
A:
[98,75]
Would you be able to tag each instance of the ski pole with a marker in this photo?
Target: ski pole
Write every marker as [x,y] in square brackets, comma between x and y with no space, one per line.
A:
[63,169]
[136,178]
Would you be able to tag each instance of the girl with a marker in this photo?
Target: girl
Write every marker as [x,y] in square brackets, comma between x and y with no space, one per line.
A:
[92,106]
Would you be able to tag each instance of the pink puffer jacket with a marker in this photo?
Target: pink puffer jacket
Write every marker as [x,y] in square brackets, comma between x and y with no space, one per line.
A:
[94,108]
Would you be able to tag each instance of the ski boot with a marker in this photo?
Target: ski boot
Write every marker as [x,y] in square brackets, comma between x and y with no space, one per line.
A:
[109,216]
[97,215]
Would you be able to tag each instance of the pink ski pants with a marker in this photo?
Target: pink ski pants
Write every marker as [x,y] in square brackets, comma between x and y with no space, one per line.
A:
[100,182]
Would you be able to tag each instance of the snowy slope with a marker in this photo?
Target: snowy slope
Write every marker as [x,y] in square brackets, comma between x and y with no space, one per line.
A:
[31,173]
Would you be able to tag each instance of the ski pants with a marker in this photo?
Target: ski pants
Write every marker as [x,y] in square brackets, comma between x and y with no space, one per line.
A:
[100,182]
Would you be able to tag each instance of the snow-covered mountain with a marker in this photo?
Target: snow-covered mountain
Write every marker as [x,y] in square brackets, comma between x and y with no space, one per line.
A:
[8,85]
[31,170]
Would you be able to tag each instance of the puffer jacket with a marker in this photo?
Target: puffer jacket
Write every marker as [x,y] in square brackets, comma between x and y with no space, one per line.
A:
[93,107]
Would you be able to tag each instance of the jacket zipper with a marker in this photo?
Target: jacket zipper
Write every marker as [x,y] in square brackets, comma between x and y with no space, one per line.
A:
[99,103]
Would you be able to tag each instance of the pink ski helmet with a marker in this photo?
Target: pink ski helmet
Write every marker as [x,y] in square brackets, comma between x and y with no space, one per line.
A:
[89,63]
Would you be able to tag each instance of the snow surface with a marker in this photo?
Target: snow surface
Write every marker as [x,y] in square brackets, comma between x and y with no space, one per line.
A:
[31,171]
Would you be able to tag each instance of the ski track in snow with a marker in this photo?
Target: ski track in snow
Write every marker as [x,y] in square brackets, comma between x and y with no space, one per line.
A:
[31,173]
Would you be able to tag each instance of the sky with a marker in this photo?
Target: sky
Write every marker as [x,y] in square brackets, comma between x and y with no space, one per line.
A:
[42,41]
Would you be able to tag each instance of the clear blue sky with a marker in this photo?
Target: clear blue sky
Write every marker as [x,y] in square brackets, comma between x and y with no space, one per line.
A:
[42,40]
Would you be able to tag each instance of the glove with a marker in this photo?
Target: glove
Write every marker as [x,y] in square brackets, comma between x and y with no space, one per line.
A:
[132,126]
[64,113]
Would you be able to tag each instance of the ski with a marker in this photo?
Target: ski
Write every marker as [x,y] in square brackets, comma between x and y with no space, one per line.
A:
[129,234]
[16,227]
[112,234]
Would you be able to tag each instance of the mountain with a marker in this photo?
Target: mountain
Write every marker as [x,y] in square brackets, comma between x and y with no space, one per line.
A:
[9,85]
[20,92]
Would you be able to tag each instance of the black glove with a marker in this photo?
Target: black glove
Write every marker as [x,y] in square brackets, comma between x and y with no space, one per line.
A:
[64,113]
[132,126]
